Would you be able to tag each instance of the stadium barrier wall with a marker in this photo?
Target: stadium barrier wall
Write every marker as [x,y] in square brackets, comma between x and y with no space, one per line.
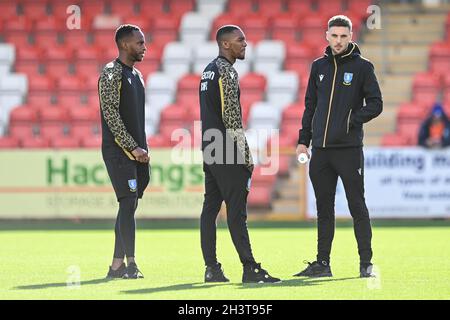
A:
[399,183]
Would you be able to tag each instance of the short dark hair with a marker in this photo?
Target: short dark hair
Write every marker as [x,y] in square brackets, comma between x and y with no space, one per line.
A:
[340,21]
[124,31]
[223,30]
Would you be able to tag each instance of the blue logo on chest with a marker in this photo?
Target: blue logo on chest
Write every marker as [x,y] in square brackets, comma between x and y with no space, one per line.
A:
[348,78]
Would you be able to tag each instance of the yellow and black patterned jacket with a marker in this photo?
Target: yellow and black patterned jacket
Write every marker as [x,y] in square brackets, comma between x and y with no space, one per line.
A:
[221,116]
[122,102]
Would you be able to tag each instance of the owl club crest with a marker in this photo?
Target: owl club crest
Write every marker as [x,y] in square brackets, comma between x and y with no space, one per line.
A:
[133,185]
[348,78]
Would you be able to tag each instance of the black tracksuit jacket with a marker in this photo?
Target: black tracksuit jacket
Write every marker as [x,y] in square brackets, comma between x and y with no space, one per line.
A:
[334,111]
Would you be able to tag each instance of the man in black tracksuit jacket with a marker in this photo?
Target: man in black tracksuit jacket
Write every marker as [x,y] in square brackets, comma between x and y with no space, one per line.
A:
[339,84]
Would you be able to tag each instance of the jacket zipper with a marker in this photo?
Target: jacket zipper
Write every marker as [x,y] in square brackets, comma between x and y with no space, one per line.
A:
[348,121]
[312,122]
[331,100]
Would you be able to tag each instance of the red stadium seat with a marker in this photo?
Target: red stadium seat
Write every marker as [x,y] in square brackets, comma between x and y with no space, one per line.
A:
[18,39]
[187,89]
[30,68]
[41,83]
[86,69]
[23,114]
[253,86]
[61,142]
[28,53]
[69,84]
[71,101]
[179,7]
[123,9]
[53,129]
[411,112]
[425,87]
[56,69]
[152,8]
[239,6]
[35,10]
[303,7]
[285,27]
[313,28]
[89,53]
[8,9]
[255,27]
[85,129]
[394,140]
[9,142]
[51,23]
[23,129]
[82,114]
[260,196]
[57,114]
[40,98]
[94,141]
[34,142]
[174,114]
[269,8]
[410,130]
[76,39]
[158,141]
[329,7]
[16,24]
[165,29]
[440,58]
[293,114]
[60,53]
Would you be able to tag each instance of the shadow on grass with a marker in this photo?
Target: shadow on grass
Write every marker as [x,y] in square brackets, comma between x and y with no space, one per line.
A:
[201,285]
[297,282]
[176,287]
[61,284]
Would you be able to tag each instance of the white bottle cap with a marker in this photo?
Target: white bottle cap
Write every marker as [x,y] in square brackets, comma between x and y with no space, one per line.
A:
[302,158]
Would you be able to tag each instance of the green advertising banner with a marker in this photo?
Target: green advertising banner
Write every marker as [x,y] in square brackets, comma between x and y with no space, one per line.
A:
[75,184]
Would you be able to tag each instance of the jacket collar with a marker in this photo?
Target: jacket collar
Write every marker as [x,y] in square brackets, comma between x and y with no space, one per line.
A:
[351,52]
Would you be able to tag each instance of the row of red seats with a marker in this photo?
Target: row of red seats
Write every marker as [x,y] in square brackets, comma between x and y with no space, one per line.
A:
[274,7]
[58,142]
[160,30]
[42,9]
[290,26]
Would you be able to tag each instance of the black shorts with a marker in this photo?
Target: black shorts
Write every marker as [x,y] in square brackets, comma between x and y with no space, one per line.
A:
[129,178]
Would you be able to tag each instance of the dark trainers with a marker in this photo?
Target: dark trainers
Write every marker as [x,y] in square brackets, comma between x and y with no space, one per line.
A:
[133,272]
[365,270]
[255,274]
[315,270]
[119,273]
[215,274]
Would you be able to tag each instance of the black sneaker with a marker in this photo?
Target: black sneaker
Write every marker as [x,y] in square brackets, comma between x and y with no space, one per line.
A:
[365,270]
[316,270]
[133,272]
[119,273]
[215,274]
[255,274]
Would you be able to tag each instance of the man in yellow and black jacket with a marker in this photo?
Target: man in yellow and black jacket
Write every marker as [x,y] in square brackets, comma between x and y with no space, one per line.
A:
[227,161]
[342,94]
[124,147]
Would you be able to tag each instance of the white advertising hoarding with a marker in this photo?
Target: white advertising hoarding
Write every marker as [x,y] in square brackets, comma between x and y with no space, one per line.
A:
[399,183]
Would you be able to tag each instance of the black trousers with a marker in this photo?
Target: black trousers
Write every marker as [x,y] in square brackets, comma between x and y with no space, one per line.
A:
[325,167]
[229,183]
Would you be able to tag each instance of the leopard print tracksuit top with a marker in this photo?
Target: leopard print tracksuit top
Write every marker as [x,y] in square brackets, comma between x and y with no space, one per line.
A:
[122,103]
[220,110]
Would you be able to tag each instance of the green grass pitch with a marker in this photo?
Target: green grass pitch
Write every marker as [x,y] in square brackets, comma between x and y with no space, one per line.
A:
[412,260]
